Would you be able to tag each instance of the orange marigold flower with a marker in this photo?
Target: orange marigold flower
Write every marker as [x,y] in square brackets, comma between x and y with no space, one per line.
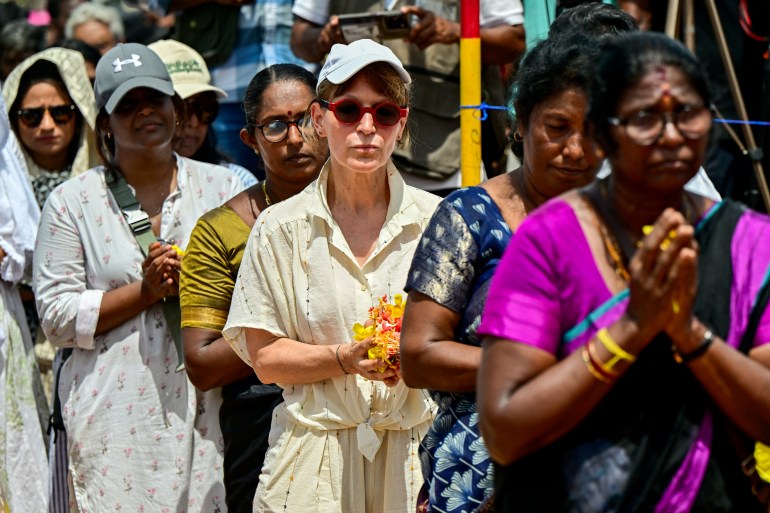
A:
[384,325]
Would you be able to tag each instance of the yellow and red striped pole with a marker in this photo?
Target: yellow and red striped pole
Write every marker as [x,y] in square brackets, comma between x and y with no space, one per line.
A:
[470,92]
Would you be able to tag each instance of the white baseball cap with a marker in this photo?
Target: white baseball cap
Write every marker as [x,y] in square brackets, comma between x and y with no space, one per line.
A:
[344,61]
[187,68]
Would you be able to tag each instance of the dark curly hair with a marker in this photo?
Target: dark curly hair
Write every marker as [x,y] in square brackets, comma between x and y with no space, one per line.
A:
[593,19]
[623,61]
[549,68]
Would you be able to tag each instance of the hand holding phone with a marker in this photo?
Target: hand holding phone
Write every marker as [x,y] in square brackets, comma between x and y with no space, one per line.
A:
[376,25]
[431,29]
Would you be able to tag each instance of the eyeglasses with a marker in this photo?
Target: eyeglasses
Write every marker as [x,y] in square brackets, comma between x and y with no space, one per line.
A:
[205,111]
[61,115]
[645,128]
[277,130]
[349,112]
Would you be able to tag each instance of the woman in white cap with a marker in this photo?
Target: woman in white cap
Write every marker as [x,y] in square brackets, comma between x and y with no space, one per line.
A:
[192,82]
[275,104]
[346,437]
[140,436]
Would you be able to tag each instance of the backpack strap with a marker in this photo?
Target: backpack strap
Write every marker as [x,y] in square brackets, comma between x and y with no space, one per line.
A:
[139,222]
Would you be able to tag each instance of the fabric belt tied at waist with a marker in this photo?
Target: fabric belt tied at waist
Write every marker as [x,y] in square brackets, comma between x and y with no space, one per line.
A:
[369,440]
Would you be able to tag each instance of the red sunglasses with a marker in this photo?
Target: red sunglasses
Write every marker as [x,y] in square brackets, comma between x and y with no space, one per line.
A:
[349,112]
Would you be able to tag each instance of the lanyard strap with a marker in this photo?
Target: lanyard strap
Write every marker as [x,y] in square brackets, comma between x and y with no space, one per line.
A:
[139,222]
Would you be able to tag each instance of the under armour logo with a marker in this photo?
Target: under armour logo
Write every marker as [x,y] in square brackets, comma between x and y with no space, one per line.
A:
[118,64]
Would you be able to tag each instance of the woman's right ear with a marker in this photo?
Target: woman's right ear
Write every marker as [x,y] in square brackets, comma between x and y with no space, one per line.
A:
[317,116]
[104,123]
[248,139]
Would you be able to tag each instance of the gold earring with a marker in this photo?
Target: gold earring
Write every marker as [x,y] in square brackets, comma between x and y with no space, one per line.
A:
[256,151]
[109,135]
[517,136]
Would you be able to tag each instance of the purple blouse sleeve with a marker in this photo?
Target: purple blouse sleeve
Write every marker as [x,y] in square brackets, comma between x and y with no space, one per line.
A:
[751,264]
[524,299]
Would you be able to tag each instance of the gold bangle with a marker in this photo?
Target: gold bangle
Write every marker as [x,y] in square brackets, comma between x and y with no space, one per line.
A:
[591,368]
[594,355]
[617,352]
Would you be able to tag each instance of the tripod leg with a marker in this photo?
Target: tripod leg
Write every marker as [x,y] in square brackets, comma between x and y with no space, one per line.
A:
[732,80]
[672,19]
[689,25]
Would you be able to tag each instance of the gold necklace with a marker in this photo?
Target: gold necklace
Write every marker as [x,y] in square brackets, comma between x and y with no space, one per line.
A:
[611,248]
[613,251]
[264,191]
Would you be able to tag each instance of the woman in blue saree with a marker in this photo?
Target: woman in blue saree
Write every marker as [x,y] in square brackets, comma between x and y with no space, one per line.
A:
[458,253]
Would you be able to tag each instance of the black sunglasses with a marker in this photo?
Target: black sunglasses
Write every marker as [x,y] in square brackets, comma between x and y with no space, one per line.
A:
[205,111]
[61,115]
[349,112]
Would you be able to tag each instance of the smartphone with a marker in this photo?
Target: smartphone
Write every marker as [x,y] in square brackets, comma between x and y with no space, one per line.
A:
[374,25]
[394,25]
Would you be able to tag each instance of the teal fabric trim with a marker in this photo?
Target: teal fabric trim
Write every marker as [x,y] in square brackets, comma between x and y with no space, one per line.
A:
[583,325]
[708,216]
[765,283]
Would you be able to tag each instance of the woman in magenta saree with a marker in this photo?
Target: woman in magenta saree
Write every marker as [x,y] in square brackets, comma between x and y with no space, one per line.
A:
[627,326]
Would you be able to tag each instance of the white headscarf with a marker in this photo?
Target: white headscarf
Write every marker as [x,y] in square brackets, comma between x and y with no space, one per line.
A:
[19,213]
[72,68]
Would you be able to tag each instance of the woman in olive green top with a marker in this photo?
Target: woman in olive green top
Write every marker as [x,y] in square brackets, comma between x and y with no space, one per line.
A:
[275,104]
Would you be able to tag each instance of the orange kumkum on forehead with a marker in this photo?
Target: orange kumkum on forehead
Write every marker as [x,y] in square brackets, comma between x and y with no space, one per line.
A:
[661,75]
[666,100]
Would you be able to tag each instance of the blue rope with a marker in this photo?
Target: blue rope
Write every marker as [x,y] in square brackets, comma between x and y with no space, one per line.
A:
[483,108]
[741,122]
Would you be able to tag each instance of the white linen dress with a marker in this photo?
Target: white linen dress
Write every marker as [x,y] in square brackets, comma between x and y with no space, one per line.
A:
[343,444]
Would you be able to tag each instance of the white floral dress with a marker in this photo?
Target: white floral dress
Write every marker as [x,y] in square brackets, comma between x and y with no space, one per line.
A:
[141,438]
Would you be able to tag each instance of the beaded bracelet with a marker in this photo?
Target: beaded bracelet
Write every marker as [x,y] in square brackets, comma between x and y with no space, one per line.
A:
[708,339]
[617,352]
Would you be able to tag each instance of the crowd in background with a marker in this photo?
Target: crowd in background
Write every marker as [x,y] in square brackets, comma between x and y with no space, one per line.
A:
[199,199]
